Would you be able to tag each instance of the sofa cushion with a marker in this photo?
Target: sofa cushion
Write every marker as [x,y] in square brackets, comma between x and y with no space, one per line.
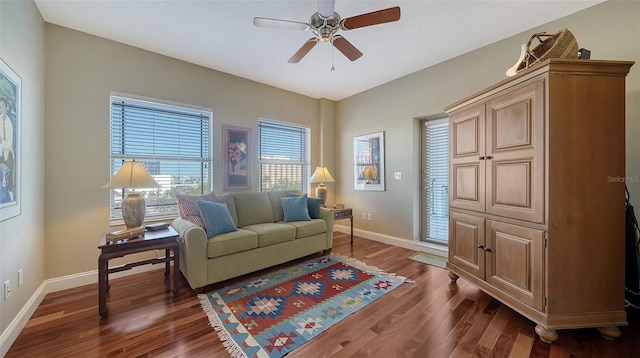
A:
[295,208]
[309,228]
[313,204]
[253,208]
[188,206]
[231,205]
[272,233]
[276,203]
[232,242]
[216,217]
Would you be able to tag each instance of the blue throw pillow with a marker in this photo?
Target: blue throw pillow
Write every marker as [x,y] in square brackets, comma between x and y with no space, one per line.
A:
[313,204]
[216,217]
[295,208]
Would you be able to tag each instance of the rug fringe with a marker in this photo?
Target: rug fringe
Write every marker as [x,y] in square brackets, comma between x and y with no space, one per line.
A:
[372,269]
[232,347]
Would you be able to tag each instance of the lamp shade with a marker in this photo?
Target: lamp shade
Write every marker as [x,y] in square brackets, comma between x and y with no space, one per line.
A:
[321,175]
[132,174]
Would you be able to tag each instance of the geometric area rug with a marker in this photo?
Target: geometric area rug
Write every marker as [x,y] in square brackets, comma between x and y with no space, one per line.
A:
[272,315]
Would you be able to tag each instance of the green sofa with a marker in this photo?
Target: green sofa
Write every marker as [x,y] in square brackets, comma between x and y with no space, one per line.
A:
[262,240]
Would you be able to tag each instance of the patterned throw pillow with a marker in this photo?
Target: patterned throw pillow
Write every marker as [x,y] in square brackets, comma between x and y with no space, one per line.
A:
[188,206]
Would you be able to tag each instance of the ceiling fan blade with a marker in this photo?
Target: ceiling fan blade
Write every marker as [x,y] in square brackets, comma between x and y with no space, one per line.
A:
[347,49]
[326,7]
[371,18]
[279,24]
[303,50]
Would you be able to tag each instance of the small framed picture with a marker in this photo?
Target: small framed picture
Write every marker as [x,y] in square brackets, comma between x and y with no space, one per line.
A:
[237,149]
[368,162]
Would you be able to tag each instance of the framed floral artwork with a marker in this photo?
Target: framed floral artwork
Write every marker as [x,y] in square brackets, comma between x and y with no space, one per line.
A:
[237,149]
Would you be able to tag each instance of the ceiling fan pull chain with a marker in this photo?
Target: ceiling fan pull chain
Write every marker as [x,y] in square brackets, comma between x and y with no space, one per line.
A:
[332,68]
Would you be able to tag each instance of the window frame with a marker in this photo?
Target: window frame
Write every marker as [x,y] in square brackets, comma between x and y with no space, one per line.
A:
[119,154]
[305,161]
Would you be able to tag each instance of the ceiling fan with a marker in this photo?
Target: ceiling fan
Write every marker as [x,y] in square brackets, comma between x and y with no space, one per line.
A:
[325,24]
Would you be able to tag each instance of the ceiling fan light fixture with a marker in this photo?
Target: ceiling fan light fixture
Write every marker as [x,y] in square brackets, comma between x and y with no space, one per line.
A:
[325,34]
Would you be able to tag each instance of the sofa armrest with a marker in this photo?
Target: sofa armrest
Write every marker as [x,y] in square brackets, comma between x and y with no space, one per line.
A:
[327,216]
[193,252]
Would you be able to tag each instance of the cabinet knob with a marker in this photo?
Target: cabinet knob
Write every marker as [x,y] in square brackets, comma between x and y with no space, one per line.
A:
[481,157]
[489,157]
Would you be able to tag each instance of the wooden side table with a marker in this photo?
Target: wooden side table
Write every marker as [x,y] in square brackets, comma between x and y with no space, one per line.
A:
[166,239]
[344,213]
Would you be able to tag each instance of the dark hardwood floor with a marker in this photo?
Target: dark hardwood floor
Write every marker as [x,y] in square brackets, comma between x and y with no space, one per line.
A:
[429,318]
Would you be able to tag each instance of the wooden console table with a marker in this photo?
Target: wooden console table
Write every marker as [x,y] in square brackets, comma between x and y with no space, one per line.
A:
[166,239]
[344,213]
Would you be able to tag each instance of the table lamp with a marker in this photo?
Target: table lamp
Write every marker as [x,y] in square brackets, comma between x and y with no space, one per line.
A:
[132,175]
[321,175]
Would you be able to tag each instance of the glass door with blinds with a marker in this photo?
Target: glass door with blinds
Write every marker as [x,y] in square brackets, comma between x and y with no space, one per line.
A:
[435,180]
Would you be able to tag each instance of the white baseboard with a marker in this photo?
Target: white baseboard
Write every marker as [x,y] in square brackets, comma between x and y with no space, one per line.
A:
[416,245]
[15,327]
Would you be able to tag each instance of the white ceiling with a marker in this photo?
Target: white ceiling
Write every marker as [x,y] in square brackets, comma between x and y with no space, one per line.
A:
[220,35]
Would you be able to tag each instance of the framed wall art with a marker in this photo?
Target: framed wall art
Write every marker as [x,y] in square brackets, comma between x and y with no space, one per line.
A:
[10,140]
[237,147]
[368,162]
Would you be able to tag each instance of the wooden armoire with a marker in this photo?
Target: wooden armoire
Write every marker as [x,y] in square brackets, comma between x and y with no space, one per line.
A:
[537,194]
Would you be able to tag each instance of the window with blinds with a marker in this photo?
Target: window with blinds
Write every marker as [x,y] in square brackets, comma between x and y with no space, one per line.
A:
[283,156]
[435,178]
[172,141]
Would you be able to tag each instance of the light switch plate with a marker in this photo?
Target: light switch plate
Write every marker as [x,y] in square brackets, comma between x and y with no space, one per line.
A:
[7,289]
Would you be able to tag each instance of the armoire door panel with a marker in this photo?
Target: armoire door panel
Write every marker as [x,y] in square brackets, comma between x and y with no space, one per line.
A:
[467,139]
[515,157]
[511,184]
[466,233]
[515,259]
[467,181]
[466,132]
[512,125]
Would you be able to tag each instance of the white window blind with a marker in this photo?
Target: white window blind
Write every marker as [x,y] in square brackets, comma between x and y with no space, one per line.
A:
[283,156]
[436,179]
[172,141]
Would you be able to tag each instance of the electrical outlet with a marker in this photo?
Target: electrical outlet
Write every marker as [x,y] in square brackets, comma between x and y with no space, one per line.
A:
[368,216]
[398,175]
[364,216]
[7,289]
[20,278]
